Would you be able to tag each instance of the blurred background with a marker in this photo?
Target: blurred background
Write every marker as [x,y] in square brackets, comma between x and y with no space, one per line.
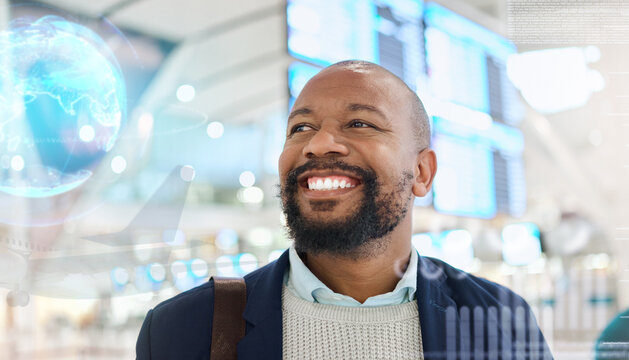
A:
[139,142]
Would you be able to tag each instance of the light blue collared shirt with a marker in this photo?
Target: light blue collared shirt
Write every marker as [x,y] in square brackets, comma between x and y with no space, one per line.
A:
[304,284]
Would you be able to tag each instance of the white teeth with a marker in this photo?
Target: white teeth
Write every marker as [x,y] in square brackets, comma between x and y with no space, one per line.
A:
[329,184]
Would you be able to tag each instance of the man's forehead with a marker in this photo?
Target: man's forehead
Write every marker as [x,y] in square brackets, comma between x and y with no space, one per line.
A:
[348,85]
[340,74]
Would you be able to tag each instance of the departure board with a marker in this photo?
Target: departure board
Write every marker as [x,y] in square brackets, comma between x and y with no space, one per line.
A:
[464,184]
[480,170]
[386,32]
[509,179]
[466,64]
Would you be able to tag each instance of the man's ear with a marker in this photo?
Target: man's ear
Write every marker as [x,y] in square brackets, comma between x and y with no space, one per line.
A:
[425,170]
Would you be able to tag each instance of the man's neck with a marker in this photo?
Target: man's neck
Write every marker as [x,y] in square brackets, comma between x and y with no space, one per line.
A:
[362,278]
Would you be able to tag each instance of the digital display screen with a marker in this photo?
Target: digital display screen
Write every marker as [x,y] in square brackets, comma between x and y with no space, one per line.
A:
[509,179]
[479,152]
[326,31]
[386,32]
[464,184]
[480,170]
[466,64]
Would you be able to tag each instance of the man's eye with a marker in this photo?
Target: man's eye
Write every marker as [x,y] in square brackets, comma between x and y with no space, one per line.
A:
[359,124]
[300,128]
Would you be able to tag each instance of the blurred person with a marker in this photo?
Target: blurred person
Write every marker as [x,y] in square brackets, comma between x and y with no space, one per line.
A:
[352,285]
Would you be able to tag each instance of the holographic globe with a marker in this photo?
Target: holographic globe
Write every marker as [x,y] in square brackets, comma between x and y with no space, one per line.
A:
[62,104]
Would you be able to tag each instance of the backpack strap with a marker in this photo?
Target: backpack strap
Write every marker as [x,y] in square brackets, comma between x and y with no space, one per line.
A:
[228,325]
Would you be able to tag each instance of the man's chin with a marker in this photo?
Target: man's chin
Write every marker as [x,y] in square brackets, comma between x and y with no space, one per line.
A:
[320,206]
[323,220]
[328,208]
[325,212]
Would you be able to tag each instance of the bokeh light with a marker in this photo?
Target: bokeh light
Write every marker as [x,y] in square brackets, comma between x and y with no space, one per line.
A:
[250,195]
[157,272]
[457,248]
[215,129]
[198,268]
[179,269]
[145,123]
[246,263]
[424,244]
[226,239]
[521,244]
[275,254]
[186,93]
[247,178]
[225,266]
[17,163]
[86,134]
[118,164]
[120,276]
[187,173]
[260,236]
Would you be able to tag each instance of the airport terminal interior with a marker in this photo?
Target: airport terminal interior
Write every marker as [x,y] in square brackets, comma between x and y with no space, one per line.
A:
[139,145]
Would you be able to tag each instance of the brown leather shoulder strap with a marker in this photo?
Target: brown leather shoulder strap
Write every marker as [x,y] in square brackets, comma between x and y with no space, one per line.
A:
[228,325]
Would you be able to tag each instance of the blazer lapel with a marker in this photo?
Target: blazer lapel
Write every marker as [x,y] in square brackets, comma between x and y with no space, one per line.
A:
[263,313]
[437,312]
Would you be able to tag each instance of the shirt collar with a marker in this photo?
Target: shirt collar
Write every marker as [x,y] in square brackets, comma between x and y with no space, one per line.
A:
[303,283]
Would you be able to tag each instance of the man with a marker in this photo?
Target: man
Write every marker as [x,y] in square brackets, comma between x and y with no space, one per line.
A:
[351,285]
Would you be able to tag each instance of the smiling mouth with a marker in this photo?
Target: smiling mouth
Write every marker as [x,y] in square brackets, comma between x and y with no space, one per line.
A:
[318,185]
[334,182]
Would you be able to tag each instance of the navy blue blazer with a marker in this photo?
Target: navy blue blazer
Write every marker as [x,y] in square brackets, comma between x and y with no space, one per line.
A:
[460,315]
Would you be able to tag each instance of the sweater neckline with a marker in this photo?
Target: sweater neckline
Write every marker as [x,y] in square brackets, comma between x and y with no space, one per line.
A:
[370,314]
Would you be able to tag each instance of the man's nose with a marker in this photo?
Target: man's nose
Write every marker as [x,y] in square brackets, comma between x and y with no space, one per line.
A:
[325,143]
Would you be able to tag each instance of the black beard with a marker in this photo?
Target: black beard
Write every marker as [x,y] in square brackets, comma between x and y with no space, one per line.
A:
[361,234]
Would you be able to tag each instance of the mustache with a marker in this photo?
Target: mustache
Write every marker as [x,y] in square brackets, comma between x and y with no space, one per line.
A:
[327,164]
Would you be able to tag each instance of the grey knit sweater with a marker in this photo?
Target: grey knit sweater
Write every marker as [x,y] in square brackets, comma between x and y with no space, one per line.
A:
[319,331]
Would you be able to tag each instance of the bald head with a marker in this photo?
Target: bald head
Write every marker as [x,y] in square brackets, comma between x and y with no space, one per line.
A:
[418,115]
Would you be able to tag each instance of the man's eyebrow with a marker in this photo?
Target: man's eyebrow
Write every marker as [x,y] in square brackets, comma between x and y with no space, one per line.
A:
[350,107]
[300,111]
[364,107]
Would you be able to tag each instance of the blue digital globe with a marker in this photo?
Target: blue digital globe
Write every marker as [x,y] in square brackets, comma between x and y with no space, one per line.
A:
[62,105]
